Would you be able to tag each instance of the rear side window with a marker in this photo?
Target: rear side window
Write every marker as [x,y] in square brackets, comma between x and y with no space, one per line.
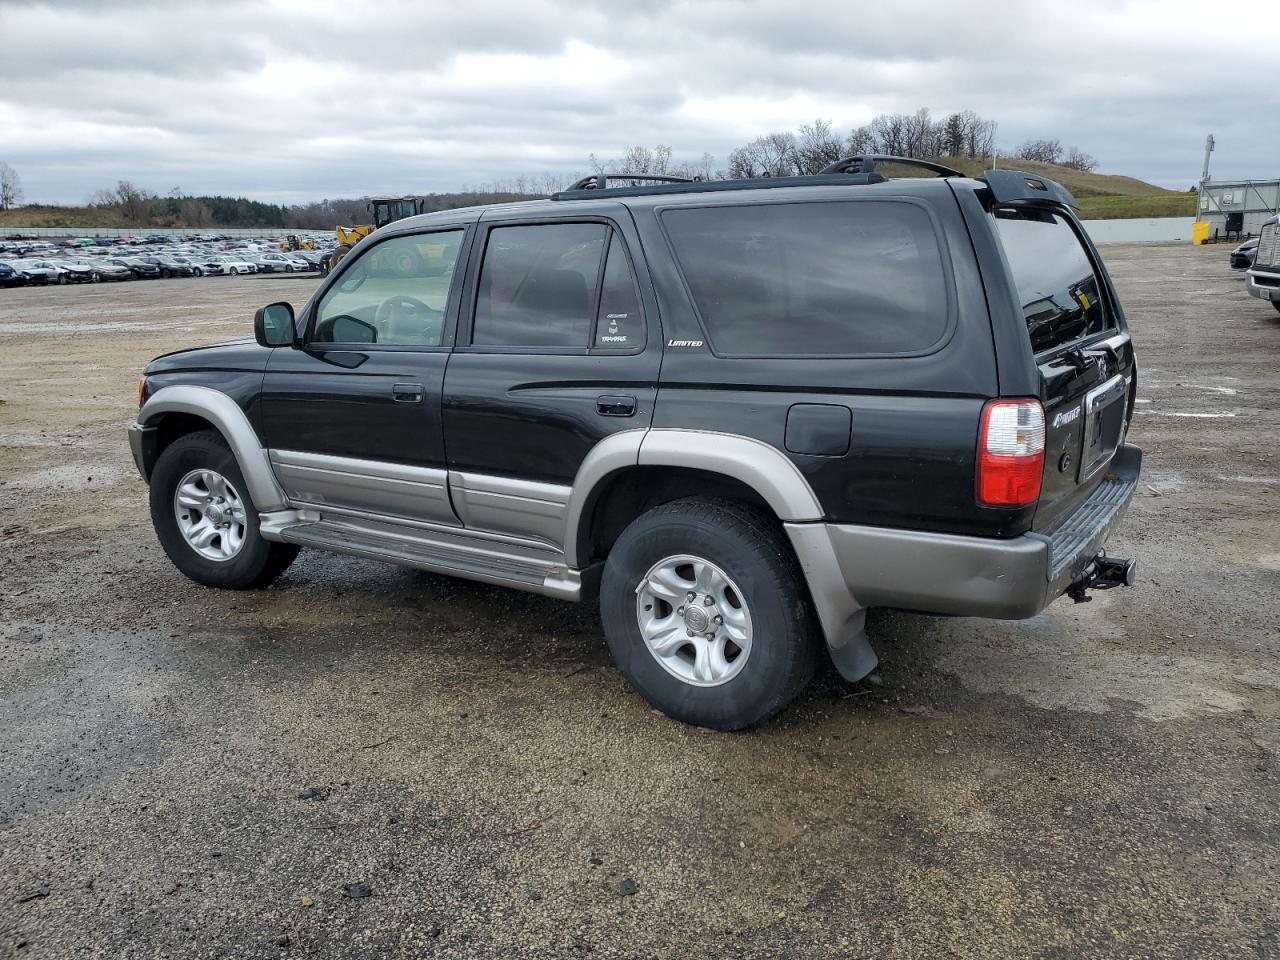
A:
[806,279]
[619,324]
[538,285]
[1057,287]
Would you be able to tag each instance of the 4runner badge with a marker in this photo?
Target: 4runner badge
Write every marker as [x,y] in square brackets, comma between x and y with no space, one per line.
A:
[1062,419]
[684,343]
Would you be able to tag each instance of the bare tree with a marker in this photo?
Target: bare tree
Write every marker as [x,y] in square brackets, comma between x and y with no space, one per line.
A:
[127,199]
[1044,151]
[636,159]
[10,187]
[816,147]
[981,137]
[862,141]
[773,155]
[1077,159]
[192,212]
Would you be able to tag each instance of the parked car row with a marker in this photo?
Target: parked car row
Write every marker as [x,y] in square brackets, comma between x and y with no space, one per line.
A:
[38,262]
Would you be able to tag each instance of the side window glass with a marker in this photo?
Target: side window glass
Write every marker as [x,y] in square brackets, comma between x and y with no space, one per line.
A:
[1060,294]
[538,285]
[394,294]
[619,324]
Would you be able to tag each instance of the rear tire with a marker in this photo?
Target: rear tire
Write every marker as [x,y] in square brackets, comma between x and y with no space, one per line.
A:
[745,577]
[254,562]
[1276,304]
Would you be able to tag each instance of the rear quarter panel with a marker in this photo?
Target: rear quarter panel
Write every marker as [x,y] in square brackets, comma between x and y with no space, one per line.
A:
[910,457]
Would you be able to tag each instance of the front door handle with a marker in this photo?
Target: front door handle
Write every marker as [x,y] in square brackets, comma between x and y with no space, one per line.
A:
[616,406]
[407,392]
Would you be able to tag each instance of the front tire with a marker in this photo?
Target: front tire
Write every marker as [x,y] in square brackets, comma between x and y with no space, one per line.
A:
[205,519]
[707,614]
[1276,304]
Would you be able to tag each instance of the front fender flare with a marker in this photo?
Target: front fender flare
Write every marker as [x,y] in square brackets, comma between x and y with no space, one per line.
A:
[229,420]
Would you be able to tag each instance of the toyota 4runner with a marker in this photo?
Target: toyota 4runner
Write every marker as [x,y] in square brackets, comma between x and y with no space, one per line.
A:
[740,413]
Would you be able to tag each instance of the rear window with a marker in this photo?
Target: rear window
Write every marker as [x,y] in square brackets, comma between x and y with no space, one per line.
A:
[1059,292]
[813,279]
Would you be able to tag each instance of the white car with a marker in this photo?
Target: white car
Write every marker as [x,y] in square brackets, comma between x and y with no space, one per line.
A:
[281,263]
[197,265]
[230,266]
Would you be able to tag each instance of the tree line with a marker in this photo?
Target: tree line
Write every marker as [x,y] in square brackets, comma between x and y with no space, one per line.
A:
[806,150]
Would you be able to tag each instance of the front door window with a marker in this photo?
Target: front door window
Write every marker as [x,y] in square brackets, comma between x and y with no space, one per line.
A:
[394,294]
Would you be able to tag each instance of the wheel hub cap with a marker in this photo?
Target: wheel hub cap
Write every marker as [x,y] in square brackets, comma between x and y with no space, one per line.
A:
[210,514]
[694,620]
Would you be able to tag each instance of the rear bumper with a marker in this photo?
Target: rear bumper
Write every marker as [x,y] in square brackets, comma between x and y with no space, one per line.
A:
[1264,284]
[978,576]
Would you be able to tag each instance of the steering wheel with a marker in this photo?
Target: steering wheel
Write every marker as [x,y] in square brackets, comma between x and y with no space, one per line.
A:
[404,318]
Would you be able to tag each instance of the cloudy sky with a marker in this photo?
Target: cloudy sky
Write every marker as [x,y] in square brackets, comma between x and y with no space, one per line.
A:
[288,101]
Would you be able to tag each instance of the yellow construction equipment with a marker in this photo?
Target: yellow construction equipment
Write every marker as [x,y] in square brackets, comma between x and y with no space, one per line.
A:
[384,210]
[294,242]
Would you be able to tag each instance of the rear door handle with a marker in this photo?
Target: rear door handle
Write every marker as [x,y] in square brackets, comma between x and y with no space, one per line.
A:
[407,392]
[616,406]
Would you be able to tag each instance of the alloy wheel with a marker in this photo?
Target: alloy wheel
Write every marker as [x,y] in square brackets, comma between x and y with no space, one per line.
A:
[694,620]
[211,514]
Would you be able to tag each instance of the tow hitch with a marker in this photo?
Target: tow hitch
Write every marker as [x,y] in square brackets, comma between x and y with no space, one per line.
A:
[1102,573]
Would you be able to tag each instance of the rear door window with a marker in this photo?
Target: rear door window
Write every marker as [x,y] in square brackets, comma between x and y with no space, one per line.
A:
[1058,289]
[850,278]
[538,285]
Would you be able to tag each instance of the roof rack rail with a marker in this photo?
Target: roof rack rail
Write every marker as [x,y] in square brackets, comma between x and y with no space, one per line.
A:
[600,181]
[866,164]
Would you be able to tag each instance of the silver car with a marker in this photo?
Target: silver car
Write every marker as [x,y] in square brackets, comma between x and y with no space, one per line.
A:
[40,271]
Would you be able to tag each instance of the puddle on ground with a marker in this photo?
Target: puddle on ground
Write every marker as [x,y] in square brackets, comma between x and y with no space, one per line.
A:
[1052,666]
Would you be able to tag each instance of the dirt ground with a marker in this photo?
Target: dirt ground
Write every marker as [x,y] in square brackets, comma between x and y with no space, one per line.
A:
[1102,780]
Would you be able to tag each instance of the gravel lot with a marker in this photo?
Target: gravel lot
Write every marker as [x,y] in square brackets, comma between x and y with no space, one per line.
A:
[1099,781]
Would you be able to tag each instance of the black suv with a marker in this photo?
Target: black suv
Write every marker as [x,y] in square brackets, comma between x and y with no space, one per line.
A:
[740,412]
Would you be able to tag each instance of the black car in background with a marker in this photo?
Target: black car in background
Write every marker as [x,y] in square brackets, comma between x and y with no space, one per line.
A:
[9,277]
[1242,256]
[171,266]
[141,269]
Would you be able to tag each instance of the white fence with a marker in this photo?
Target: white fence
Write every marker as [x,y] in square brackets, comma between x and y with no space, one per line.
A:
[1148,230]
[161,231]
[1140,230]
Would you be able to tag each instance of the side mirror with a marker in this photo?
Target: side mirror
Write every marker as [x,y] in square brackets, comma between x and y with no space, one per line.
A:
[273,325]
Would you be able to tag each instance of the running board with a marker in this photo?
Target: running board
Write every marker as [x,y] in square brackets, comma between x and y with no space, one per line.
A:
[439,552]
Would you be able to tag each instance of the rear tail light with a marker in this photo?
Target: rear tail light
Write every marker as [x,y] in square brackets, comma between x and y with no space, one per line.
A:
[1010,453]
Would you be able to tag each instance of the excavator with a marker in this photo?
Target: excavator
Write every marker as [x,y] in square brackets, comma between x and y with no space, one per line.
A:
[384,210]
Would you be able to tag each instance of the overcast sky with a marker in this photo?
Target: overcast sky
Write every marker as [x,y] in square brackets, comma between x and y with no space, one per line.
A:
[291,101]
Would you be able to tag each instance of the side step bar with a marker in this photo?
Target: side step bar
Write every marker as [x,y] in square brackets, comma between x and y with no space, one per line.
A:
[486,561]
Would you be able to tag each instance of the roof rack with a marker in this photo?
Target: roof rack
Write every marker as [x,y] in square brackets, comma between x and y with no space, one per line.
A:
[866,164]
[849,171]
[600,181]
